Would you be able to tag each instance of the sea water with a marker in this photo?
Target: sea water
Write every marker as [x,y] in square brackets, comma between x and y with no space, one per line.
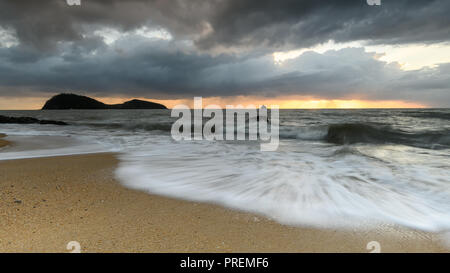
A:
[333,168]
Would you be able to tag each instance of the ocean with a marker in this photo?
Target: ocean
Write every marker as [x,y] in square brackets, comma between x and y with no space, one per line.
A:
[333,168]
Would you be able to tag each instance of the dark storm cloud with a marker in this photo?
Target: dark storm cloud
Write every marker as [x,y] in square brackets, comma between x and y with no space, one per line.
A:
[234,23]
[170,70]
[44,23]
[305,23]
[144,67]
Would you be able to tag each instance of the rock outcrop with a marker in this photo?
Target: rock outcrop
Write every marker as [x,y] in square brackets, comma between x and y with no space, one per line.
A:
[29,120]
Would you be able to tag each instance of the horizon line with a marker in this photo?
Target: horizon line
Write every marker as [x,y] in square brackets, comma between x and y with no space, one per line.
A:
[224,108]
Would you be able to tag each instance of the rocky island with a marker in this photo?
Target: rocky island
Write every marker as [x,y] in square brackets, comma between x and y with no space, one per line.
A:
[73,101]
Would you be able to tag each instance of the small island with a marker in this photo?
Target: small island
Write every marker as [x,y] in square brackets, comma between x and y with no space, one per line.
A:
[73,101]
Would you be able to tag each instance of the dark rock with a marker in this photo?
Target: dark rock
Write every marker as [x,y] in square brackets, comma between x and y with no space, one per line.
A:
[21,120]
[72,101]
[138,104]
[53,122]
[29,120]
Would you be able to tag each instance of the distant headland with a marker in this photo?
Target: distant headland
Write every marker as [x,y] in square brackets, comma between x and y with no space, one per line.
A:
[73,101]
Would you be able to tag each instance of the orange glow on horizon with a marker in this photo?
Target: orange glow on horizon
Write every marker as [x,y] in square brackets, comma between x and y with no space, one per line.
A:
[283,103]
[22,103]
[35,103]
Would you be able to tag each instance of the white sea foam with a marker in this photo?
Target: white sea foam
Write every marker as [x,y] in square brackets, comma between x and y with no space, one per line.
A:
[306,185]
[35,146]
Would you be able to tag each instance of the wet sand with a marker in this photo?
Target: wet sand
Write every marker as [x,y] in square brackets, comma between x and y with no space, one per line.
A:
[3,142]
[47,202]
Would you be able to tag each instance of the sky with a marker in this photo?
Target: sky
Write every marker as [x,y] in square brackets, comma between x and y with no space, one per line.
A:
[292,53]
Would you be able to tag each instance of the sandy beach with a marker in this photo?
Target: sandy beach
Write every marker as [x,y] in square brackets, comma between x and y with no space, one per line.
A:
[47,202]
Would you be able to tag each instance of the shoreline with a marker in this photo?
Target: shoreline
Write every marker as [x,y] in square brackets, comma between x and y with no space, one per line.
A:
[48,202]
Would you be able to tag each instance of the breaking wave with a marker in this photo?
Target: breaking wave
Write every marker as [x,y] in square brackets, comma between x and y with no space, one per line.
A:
[353,133]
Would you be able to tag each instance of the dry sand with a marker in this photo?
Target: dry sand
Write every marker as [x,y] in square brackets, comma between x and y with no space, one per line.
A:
[47,202]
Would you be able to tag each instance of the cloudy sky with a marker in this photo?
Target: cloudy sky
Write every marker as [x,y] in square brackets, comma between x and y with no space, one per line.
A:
[292,53]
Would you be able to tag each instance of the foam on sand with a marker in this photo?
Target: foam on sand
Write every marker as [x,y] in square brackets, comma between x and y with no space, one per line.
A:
[323,186]
[76,198]
[46,146]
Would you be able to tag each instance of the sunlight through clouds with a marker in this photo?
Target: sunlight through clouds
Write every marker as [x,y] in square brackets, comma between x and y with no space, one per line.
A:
[154,33]
[111,35]
[7,38]
[409,56]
